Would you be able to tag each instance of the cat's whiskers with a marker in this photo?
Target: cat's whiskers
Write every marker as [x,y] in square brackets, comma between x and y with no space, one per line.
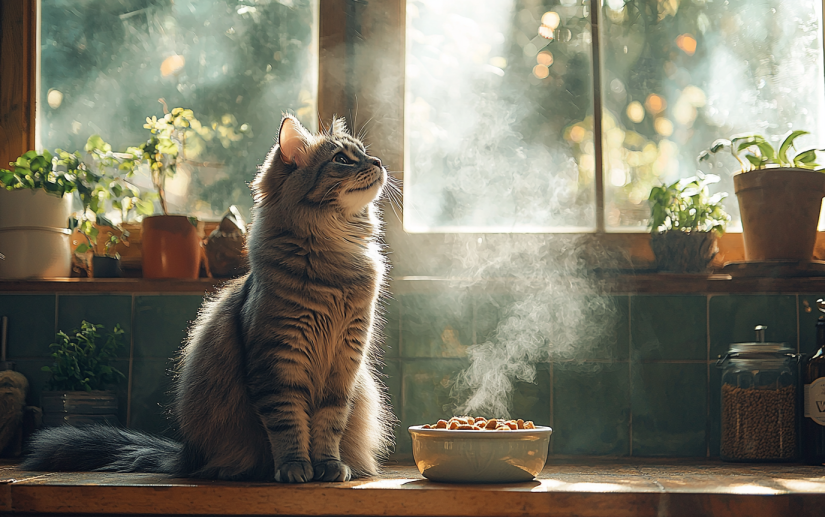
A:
[330,190]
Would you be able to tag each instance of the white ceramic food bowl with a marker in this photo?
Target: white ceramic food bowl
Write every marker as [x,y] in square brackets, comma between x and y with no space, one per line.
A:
[480,456]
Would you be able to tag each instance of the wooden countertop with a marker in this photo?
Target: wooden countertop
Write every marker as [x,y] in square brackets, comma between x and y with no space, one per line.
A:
[581,487]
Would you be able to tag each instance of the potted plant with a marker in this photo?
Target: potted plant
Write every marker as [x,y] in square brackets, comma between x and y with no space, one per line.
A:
[105,260]
[115,190]
[171,244]
[779,196]
[82,384]
[35,204]
[685,223]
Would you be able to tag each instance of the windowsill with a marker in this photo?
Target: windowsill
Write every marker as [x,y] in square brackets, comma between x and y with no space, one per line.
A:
[112,285]
[644,283]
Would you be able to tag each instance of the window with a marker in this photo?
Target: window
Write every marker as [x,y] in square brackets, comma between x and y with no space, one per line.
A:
[237,64]
[500,104]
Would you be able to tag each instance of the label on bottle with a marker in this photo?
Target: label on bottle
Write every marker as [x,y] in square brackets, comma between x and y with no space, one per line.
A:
[815,401]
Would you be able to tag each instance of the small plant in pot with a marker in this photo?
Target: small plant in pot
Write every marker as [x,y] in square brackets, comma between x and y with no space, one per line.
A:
[685,223]
[35,205]
[779,196]
[172,244]
[115,190]
[105,259]
[82,385]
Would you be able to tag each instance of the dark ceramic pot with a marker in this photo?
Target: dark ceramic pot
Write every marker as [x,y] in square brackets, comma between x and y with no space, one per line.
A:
[683,252]
[106,267]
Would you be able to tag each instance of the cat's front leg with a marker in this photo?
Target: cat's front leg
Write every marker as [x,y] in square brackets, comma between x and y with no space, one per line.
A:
[326,429]
[284,411]
[330,416]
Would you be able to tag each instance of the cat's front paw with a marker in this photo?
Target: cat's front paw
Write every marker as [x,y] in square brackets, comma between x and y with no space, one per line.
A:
[294,472]
[332,470]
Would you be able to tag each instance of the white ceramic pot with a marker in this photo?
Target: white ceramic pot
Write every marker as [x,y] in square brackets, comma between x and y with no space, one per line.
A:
[26,207]
[35,253]
[33,236]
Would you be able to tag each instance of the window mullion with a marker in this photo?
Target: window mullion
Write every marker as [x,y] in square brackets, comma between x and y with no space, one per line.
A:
[595,9]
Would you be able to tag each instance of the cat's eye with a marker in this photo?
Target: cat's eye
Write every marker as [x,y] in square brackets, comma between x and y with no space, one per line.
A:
[342,159]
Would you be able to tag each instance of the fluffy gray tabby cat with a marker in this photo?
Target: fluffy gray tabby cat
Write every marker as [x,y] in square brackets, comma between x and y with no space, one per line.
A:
[276,380]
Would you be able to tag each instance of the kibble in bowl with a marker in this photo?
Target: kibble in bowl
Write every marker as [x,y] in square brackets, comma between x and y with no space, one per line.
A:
[480,450]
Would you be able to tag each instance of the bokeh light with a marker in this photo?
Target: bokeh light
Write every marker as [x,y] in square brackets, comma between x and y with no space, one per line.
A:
[577,134]
[551,19]
[635,112]
[54,98]
[498,62]
[545,57]
[547,32]
[655,104]
[687,43]
[541,71]
[663,126]
[172,64]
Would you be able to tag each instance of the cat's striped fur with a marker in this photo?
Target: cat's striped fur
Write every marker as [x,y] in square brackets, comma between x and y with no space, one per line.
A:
[277,378]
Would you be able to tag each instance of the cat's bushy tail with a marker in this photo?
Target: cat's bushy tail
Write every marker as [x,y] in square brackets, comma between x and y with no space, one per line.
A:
[101,448]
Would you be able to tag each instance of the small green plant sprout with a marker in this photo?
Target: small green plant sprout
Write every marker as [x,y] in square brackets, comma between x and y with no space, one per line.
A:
[81,361]
[58,174]
[760,154]
[106,248]
[686,205]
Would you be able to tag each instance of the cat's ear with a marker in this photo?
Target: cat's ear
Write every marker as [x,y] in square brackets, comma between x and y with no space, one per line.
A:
[338,126]
[293,140]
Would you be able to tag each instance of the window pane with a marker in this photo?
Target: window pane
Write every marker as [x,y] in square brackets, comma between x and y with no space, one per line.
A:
[495,98]
[678,74]
[237,64]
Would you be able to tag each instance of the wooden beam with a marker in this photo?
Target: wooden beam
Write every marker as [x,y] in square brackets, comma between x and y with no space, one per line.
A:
[18,78]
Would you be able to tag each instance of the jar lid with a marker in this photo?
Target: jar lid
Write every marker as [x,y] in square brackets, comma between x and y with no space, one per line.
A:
[759,348]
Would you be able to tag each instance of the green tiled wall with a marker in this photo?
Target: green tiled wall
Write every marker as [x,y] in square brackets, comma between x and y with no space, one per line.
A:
[648,386]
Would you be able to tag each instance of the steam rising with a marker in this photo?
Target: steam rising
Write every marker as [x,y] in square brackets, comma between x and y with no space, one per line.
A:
[557,313]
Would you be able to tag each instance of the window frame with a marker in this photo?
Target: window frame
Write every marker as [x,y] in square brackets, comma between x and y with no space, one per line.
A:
[349,85]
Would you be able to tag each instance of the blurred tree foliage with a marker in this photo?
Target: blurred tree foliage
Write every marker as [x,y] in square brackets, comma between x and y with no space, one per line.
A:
[105,64]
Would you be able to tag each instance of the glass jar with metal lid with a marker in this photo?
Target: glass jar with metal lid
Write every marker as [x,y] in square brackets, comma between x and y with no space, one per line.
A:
[760,401]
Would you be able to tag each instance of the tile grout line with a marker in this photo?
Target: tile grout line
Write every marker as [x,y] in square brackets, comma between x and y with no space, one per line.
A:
[131,364]
[707,356]
[630,374]
[56,314]
[797,323]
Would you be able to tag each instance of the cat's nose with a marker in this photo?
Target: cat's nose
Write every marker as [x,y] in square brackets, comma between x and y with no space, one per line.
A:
[375,161]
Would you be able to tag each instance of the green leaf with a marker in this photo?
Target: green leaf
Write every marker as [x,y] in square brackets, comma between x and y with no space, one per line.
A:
[96,143]
[782,154]
[145,207]
[718,145]
[805,157]
[756,161]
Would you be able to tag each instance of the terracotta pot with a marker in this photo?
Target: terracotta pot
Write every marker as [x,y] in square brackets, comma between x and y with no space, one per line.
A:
[682,252]
[780,212]
[171,247]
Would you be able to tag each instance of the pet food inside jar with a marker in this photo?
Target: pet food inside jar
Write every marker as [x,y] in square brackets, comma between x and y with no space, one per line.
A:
[759,402]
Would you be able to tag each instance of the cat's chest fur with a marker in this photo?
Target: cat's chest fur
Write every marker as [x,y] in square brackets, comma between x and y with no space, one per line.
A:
[318,298]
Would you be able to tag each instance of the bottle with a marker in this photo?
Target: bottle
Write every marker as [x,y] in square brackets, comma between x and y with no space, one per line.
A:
[813,373]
